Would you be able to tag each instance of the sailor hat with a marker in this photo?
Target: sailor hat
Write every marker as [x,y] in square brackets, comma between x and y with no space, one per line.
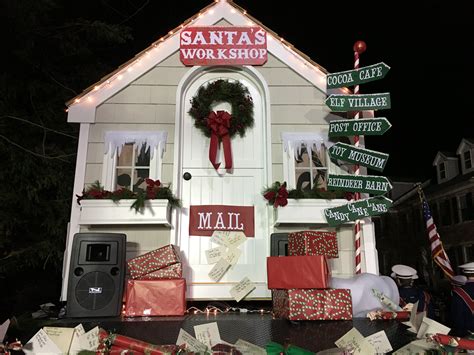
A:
[467,268]
[404,272]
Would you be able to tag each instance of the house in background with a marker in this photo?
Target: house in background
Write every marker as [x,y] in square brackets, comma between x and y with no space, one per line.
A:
[134,124]
[401,234]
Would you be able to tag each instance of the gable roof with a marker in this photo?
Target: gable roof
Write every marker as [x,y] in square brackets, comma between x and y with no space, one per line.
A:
[443,156]
[82,107]
[469,142]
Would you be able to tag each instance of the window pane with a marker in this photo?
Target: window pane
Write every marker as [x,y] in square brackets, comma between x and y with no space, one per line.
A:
[139,179]
[124,178]
[303,179]
[317,162]
[470,252]
[302,160]
[442,171]
[467,210]
[319,178]
[143,158]
[125,158]
[446,213]
[467,159]
[454,207]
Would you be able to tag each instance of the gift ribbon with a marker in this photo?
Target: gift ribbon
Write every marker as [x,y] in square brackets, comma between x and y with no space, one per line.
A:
[219,124]
[277,349]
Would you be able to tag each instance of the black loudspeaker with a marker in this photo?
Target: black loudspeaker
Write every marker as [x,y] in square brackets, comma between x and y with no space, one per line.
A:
[279,244]
[96,275]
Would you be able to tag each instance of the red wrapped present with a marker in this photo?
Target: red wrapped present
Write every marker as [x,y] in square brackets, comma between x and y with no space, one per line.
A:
[312,304]
[155,298]
[285,272]
[174,271]
[313,243]
[152,261]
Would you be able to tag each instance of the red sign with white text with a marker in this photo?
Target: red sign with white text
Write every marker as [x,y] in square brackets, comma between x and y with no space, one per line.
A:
[220,45]
[205,219]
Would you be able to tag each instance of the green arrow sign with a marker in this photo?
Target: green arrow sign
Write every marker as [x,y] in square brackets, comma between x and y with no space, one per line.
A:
[344,103]
[361,156]
[366,127]
[357,210]
[376,185]
[357,76]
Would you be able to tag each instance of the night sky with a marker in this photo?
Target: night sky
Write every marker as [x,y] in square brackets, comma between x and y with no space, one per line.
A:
[427,44]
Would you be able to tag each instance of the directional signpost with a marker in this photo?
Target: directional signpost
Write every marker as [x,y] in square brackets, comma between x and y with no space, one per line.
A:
[376,185]
[357,76]
[345,103]
[361,156]
[357,210]
[366,127]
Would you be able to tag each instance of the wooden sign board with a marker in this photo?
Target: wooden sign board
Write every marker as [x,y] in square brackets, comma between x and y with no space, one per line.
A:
[357,76]
[361,156]
[357,210]
[219,45]
[376,185]
[363,127]
[205,219]
[345,103]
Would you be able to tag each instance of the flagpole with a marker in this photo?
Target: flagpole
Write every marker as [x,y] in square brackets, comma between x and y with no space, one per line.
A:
[359,48]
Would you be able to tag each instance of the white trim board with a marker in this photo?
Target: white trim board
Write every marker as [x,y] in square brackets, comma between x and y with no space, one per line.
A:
[84,110]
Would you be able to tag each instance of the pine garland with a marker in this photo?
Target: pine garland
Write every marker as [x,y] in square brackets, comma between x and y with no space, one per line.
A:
[223,91]
[154,191]
[316,193]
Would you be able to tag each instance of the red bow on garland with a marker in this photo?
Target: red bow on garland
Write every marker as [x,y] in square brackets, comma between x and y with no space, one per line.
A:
[278,198]
[152,188]
[219,124]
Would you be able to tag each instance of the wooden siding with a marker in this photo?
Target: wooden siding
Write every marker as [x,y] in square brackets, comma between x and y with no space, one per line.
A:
[149,103]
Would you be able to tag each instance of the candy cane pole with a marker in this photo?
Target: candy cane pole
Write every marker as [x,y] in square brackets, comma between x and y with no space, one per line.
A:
[359,48]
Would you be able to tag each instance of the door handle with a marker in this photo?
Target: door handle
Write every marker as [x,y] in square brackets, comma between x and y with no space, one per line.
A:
[187,176]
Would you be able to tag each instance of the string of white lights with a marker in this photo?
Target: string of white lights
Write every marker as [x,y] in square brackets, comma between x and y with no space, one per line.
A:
[88,96]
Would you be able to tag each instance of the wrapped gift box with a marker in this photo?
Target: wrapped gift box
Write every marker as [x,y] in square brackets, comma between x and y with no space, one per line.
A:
[313,243]
[155,298]
[174,271]
[312,304]
[285,272]
[152,261]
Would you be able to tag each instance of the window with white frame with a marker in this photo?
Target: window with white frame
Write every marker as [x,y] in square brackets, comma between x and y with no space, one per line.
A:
[132,157]
[305,160]
[442,170]
[467,159]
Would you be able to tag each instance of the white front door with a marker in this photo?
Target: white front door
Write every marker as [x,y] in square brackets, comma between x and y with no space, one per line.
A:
[242,187]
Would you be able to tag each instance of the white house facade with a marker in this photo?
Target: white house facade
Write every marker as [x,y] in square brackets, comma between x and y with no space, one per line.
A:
[145,104]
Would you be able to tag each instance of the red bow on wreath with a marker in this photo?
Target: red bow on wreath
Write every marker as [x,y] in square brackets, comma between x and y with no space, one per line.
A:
[219,124]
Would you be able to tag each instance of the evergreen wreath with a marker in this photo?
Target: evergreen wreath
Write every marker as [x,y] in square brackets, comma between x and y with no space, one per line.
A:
[223,91]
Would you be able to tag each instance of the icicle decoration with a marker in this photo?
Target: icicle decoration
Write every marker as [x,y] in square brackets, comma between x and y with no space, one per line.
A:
[117,139]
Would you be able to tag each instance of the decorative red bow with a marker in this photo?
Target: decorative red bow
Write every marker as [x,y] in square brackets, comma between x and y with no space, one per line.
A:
[219,124]
[152,187]
[278,198]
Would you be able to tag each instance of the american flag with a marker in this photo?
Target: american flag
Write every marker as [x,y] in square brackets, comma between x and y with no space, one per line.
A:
[437,250]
